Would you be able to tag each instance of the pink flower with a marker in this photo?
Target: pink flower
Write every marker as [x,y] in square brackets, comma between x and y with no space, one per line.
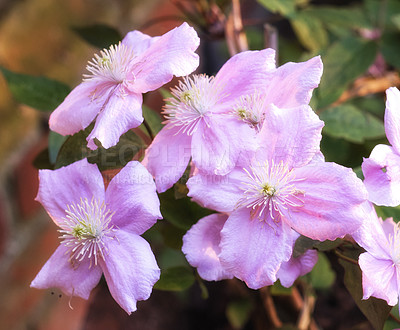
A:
[285,187]
[214,121]
[382,169]
[99,231]
[111,94]
[380,264]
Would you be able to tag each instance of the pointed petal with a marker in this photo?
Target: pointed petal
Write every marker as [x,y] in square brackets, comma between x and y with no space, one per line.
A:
[215,192]
[292,84]
[168,156]
[132,195]
[138,41]
[68,185]
[332,197]
[122,112]
[201,247]
[253,250]
[130,269]
[73,281]
[392,117]
[79,108]
[382,176]
[290,135]
[170,55]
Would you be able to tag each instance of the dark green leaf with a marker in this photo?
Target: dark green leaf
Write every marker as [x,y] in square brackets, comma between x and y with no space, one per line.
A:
[328,245]
[347,122]
[283,7]
[153,120]
[382,12]
[390,48]
[42,161]
[55,142]
[322,276]
[40,93]
[278,290]
[376,310]
[175,279]
[238,312]
[302,245]
[388,212]
[99,35]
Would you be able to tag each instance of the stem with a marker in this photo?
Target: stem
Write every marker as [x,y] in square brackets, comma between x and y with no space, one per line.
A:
[148,129]
[346,258]
[270,308]
[394,317]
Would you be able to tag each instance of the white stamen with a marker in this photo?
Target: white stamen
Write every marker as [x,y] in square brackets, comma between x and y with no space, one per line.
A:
[251,109]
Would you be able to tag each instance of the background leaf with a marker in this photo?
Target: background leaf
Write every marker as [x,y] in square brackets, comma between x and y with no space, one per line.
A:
[98,35]
[175,279]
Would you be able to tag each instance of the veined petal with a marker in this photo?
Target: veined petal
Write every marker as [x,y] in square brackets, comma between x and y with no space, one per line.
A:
[130,269]
[170,55]
[292,84]
[253,250]
[79,108]
[121,112]
[68,185]
[392,117]
[132,195]
[77,280]
[201,247]
[168,156]
[139,42]
[332,202]
[382,176]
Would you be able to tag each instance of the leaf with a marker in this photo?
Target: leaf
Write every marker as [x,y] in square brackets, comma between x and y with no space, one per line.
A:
[344,61]
[303,244]
[153,120]
[388,212]
[278,290]
[322,276]
[99,35]
[376,310]
[390,48]
[40,93]
[238,312]
[283,7]
[175,279]
[348,122]
[55,142]
[328,245]
[42,161]
[382,12]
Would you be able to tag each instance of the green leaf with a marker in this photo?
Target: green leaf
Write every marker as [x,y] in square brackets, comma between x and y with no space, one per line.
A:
[153,120]
[175,279]
[74,148]
[55,142]
[40,93]
[42,161]
[278,290]
[284,7]
[98,35]
[376,310]
[344,61]
[238,312]
[388,212]
[303,244]
[382,12]
[390,48]
[347,122]
[322,276]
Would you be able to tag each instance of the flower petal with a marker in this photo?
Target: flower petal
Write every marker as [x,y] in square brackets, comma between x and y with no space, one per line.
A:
[292,84]
[79,108]
[168,156]
[130,269]
[132,195]
[72,280]
[392,117]
[382,176]
[68,185]
[170,55]
[253,250]
[201,247]
[138,41]
[121,112]
[332,197]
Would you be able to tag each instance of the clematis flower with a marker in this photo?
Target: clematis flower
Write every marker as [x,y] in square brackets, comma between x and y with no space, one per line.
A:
[380,264]
[213,120]
[111,93]
[285,187]
[381,170]
[100,231]
[201,246]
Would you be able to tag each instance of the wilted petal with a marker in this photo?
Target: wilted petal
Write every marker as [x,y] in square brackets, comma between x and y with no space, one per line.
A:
[392,117]
[67,185]
[201,247]
[253,250]
[168,156]
[77,280]
[130,269]
[132,195]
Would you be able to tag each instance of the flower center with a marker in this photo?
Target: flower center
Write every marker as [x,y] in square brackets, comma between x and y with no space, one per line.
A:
[111,65]
[270,191]
[84,230]
[191,100]
[251,109]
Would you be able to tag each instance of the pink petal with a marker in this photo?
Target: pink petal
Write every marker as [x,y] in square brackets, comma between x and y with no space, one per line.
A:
[382,176]
[333,198]
[290,135]
[138,41]
[77,280]
[220,193]
[68,185]
[292,84]
[170,55]
[121,112]
[132,195]
[130,269]
[253,250]
[168,156]
[392,117]
[201,247]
